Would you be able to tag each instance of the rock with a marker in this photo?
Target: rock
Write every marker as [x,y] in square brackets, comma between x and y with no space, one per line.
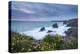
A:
[55,25]
[64,22]
[49,31]
[72,32]
[42,29]
[72,23]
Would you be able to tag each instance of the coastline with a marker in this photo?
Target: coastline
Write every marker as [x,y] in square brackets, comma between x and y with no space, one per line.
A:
[27,43]
[40,35]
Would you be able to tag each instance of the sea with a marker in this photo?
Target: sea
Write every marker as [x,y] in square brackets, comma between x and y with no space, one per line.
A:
[32,28]
[22,26]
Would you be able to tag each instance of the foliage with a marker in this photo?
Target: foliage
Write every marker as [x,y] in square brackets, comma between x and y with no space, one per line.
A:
[55,42]
[24,43]
[20,43]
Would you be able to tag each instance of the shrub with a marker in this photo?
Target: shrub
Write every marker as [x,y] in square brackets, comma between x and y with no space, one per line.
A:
[24,43]
[20,43]
[54,43]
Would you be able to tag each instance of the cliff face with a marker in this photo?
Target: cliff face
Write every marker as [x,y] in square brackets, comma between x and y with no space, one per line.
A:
[73,31]
[72,23]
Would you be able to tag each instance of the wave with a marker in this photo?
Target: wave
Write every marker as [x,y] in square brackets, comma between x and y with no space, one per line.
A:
[40,35]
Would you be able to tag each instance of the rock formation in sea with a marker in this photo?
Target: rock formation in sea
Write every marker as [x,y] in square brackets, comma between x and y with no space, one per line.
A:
[42,29]
[55,25]
[49,31]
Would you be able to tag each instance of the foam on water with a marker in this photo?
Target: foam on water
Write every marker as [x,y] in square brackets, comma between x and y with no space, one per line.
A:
[40,35]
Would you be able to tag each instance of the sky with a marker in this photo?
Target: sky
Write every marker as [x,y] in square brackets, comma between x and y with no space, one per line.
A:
[31,11]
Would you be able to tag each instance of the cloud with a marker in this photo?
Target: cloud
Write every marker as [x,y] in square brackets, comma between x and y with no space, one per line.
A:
[42,11]
[27,11]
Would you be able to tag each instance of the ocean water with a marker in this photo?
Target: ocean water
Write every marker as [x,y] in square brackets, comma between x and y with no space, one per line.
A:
[32,28]
[22,26]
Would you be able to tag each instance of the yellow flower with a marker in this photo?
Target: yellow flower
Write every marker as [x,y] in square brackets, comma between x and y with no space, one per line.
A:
[42,48]
[22,49]
[13,44]
[29,49]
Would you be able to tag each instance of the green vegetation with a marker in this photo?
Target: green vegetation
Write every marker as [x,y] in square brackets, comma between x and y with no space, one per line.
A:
[53,43]
[24,43]
[20,43]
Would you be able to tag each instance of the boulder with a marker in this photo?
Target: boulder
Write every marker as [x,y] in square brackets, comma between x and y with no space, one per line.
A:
[49,31]
[55,25]
[42,29]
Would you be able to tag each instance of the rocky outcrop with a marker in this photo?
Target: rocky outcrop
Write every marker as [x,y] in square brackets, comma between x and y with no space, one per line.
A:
[73,31]
[55,25]
[42,29]
[72,23]
[49,31]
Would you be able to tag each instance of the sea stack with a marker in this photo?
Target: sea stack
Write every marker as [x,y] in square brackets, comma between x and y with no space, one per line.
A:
[42,29]
[55,25]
